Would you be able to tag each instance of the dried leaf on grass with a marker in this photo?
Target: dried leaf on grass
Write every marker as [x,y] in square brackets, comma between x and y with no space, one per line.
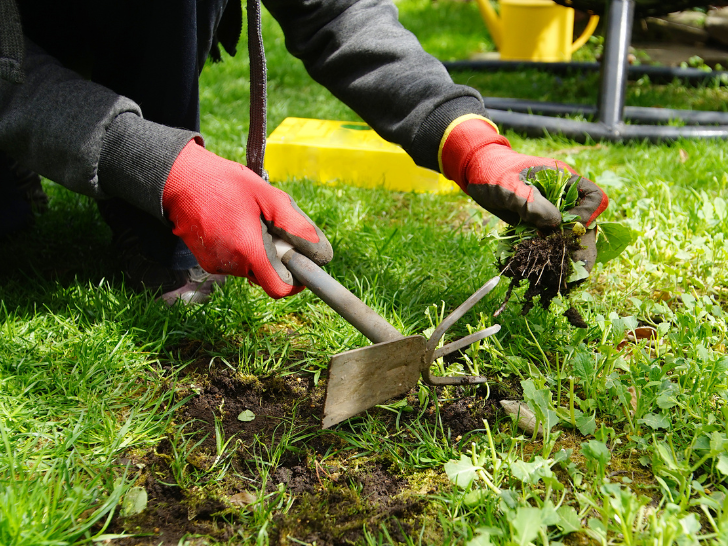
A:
[633,400]
[643,333]
[243,499]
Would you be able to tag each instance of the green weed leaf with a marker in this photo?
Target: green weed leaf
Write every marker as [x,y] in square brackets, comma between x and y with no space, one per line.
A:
[135,501]
[609,179]
[509,500]
[594,449]
[246,416]
[539,401]
[584,364]
[719,205]
[526,524]
[597,455]
[462,472]
[662,450]
[571,196]
[666,400]
[568,520]
[717,443]
[578,273]
[722,465]
[422,396]
[531,472]
[690,525]
[655,421]
[549,515]
[621,325]
[551,183]
[482,538]
[613,239]
[475,497]
[586,424]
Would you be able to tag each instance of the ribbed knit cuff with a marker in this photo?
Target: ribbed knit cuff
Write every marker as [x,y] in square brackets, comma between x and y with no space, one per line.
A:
[426,144]
[136,157]
[12,48]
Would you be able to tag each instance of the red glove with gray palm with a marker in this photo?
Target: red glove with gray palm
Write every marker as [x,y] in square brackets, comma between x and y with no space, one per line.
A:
[481,161]
[225,214]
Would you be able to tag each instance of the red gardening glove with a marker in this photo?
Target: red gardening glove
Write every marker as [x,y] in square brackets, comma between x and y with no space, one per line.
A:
[483,164]
[226,214]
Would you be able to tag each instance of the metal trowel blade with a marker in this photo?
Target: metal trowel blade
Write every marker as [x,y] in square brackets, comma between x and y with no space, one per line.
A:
[362,378]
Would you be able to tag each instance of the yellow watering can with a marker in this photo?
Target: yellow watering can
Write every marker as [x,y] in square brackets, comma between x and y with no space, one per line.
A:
[534,30]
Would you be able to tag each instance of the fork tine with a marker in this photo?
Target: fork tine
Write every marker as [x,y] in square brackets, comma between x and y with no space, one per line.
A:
[432,353]
[456,315]
[465,341]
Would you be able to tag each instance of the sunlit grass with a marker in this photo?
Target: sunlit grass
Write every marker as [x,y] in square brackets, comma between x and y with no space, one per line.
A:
[84,362]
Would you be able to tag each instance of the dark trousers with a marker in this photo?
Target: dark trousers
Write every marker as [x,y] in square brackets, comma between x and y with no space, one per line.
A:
[147,50]
[15,212]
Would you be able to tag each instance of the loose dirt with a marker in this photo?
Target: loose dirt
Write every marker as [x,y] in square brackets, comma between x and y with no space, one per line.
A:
[333,495]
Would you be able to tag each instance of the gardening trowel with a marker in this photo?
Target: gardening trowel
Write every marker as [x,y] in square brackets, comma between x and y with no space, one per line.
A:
[362,378]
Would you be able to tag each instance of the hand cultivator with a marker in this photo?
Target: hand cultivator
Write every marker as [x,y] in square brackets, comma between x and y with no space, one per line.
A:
[361,378]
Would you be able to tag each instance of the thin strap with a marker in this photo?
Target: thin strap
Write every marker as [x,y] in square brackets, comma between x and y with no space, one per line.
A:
[256,133]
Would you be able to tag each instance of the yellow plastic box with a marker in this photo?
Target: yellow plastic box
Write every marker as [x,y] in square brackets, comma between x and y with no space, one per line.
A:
[347,152]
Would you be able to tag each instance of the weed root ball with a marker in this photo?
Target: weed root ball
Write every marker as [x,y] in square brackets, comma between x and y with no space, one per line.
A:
[544,262]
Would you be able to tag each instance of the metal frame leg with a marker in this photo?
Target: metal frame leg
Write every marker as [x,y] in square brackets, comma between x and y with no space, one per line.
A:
[613,84]
[610,111]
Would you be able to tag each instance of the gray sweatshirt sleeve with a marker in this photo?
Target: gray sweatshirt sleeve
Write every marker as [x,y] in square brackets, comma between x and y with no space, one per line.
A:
[366,58]
[84,136]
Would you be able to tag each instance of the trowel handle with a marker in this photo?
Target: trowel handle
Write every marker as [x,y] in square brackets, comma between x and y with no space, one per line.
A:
[352,309]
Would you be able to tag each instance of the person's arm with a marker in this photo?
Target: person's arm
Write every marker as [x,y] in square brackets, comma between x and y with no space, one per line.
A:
[360,52]
[95,142]
[55,122]
[366,58]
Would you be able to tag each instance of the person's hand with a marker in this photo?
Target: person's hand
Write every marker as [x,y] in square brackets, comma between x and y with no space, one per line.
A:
[482,163]
[225,214]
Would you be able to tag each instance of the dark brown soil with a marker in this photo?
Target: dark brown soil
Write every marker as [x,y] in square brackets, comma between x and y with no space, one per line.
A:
[335,495]
[544,263]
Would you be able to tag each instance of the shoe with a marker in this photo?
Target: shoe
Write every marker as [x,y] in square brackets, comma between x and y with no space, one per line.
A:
[188,286]
[197,289]
[136,236]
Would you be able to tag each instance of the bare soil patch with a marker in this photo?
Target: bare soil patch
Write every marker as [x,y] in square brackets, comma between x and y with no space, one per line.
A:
[334,496]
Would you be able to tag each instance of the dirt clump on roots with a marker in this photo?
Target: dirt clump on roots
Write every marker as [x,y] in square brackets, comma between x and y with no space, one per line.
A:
[308,483]
[545,263]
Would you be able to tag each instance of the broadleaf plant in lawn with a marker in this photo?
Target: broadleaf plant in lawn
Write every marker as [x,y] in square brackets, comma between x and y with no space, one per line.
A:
[104,391]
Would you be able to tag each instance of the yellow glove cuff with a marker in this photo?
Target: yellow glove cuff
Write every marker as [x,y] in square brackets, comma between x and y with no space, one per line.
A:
[455,123]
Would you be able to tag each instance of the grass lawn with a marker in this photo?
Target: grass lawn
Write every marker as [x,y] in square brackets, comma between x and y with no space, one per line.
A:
[207,418]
